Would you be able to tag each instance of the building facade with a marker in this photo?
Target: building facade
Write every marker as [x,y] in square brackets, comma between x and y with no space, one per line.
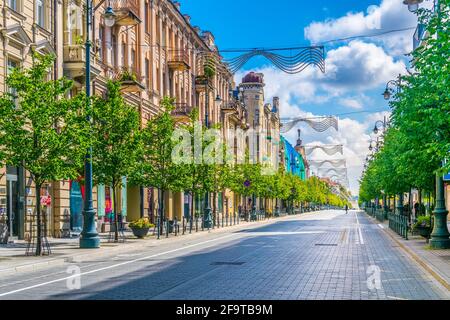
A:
[152,49]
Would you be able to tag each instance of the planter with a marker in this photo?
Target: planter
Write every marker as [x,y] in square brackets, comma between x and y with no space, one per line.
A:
[424,231]
[140,232]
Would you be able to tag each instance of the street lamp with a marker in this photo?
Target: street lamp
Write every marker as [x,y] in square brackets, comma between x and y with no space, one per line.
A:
[387,94]
[381,125]
[89,238]
[413,5]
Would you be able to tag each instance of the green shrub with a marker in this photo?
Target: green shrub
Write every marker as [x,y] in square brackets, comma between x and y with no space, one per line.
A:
[423,222]
[141,224]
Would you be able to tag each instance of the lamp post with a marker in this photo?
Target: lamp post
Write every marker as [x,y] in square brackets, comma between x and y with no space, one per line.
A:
[207,216]
[255,125]
[89,237]
[381,125]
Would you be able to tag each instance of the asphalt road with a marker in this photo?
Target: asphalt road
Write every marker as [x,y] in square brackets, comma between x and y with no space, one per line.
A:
[326,255]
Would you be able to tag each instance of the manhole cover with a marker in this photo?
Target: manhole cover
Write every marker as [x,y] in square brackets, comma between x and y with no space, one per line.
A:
[326,244]
[224,263]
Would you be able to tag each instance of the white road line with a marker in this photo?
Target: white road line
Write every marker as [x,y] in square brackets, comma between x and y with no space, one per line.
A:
[361,239]
[112,266]
[381,226]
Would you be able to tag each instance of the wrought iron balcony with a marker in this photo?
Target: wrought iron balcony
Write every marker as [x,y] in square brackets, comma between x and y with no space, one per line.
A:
[127,12]
[202,83]
[129,78]
[182,110]
[178,60]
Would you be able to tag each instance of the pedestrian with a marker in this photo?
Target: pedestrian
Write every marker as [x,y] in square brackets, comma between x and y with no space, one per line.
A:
[346,209]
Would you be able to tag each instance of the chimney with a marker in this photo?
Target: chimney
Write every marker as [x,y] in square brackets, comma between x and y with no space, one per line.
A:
[177,5]
[187,18]
[299,140]
[276,104]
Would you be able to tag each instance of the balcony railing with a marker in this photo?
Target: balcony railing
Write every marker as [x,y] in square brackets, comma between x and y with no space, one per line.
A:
[127,12]
[182,110]
[74,53]
[129,77]
[178,60]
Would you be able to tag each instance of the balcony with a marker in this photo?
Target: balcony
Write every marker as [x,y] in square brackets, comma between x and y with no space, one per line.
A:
[230,107]
[178,60]
[75,63]
[202,83]
[182,111]
[127,12]
[130,79]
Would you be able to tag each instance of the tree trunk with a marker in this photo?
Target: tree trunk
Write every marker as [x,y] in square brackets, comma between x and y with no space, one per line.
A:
[38,220]
[161,212]
[192,211]
[215,208]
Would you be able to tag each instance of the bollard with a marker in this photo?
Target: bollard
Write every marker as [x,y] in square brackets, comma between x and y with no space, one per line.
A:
[167,228]
[183,225]
[158,224]
[175,225]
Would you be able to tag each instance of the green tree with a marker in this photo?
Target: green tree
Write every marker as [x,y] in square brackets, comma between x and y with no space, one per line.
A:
[41,130]
[156,168]
[117,147]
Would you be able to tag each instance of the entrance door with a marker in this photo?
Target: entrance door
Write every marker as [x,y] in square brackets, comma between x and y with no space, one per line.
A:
[12,205]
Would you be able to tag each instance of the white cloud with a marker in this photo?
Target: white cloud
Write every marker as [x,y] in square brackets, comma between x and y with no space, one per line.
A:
[389,15]
[351,103]
[353,68]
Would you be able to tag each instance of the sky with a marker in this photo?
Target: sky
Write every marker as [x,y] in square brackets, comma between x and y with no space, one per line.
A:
[357,70]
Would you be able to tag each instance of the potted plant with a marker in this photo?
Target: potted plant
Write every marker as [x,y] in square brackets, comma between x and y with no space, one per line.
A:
[423,226]
[128,76]
[140,227]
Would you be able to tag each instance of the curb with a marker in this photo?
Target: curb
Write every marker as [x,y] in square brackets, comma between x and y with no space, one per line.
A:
[111,251]
[417,259]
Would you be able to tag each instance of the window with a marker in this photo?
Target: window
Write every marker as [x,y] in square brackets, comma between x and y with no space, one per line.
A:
[147,17]
[124,55]
[100,48]
[13,4]
[147,72]
[114,50]
[40,13]
[12,64]
[133,58]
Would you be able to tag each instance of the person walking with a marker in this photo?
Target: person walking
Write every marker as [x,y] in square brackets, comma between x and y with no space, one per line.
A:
[346,209]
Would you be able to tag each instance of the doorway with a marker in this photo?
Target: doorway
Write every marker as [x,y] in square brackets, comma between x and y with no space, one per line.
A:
[12,201]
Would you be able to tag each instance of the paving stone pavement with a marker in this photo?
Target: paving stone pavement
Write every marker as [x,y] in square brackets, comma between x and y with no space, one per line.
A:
[329,255]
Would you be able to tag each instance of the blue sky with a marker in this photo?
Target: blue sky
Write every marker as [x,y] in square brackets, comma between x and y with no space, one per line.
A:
[357,70]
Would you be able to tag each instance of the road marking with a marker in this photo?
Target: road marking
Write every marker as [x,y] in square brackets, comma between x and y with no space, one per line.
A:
[381,226]
[395,298]
[361,239]
[112,266]
[281,233]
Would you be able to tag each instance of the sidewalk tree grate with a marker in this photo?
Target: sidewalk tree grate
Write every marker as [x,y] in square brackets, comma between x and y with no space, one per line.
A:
[224,263]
